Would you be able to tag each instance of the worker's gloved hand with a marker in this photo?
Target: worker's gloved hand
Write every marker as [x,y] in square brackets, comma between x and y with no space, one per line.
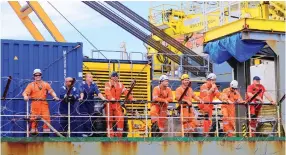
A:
[243,102]
[124,109]
[26,98]
[80,99]
[273,102]
[69,98]
[56,98]
[104,100]
[189,103]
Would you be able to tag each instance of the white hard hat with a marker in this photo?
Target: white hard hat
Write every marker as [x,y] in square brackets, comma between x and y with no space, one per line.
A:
[37,71]
[211,76]
[234,84]
[163,77]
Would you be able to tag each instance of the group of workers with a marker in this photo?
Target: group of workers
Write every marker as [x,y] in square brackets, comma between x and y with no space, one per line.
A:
[162,96]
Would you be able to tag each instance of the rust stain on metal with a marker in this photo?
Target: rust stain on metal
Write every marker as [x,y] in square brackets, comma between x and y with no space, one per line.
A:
[165,147]
[183,148]
[23,148]
[143,148]
[200,147]
[118,148]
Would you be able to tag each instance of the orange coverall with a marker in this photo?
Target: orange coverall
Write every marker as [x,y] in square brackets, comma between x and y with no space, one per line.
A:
[255,109]
[189,123]
[113,92]
[160,109]
[228,110]
[207,108]
[39,90]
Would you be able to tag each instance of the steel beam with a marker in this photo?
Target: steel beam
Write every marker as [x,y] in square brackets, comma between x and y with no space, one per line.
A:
[26,21]
[265,36]
[245,24]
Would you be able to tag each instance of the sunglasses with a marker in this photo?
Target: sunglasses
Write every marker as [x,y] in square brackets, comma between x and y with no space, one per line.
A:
[37,75]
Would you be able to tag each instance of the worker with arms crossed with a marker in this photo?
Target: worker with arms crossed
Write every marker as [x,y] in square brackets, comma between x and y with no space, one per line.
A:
[38,89]
[71,98]
[162,95]
[113,91]
[252,89]
[208,91]
[88,89]
[230,95]
[189,121]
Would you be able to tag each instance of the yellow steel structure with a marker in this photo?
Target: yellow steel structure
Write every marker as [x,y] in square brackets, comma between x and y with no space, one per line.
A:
[127,72]
[26,21]
[141,91]
[245,24]
[39,11]
[207,24]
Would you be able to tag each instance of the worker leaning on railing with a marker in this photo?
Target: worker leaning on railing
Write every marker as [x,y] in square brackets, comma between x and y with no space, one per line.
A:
[208,91]
[38,89]
[66,99]
[113,91]
[88,89]
[162,95]
[188,114]
[255,109]
[230,95]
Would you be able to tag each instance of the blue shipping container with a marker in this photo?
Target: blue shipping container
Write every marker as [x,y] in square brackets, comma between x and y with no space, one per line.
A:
[18,59]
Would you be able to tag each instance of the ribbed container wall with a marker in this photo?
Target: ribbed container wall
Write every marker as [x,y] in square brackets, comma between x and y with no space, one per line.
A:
[18,59]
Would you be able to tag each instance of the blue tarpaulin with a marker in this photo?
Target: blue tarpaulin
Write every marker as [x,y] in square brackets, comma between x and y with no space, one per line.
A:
[232,46]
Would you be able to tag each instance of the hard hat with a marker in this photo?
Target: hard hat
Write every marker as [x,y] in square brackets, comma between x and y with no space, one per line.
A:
[185,76]
[37,71]
[211,76]
[163,77]
[234,84]
[114,74]
[256,78]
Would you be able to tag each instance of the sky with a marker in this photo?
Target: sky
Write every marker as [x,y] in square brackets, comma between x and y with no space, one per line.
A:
[103,33]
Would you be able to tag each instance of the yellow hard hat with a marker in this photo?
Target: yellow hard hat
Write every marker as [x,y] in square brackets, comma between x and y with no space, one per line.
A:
[185,76]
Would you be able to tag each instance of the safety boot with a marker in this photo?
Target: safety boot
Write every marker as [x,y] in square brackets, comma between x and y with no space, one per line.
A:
[155,130]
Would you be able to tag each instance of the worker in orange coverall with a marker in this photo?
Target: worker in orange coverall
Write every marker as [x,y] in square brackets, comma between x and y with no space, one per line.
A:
[208,91]
[255,109]
[113,91]
[38,90]
[188,123]
[162,95]
[231,96]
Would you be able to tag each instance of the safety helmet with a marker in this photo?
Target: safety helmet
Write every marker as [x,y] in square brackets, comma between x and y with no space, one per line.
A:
[211,76]
[234,84]
[114,74]
[37,71]
[163,77]
[185,76]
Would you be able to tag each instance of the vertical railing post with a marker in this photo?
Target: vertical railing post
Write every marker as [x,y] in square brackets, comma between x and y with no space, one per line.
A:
[216,119]
[27,116]
[69,119]
[108,120]
[146,119]
[278,119]
[249,120]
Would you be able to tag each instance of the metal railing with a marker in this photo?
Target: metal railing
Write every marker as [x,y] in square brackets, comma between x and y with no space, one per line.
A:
[176,70]
[171,129]
[120,55]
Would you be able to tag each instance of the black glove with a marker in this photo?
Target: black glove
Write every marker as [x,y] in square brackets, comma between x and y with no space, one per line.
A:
[70,99]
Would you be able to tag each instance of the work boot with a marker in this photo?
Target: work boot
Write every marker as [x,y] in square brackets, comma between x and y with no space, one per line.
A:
[155,130]
[34,134]
[187,134]
[46,134]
